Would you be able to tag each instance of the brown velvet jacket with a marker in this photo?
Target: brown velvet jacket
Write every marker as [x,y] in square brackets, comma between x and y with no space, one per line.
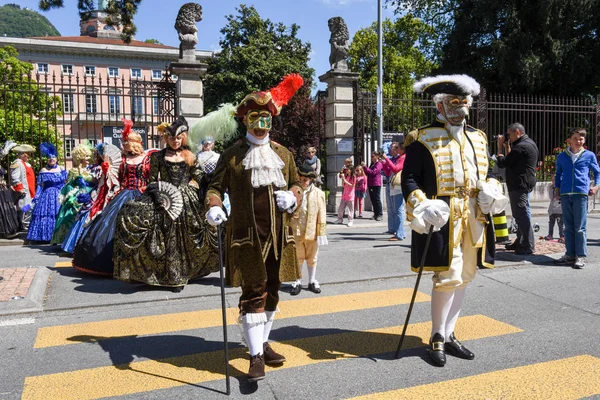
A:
[244,258]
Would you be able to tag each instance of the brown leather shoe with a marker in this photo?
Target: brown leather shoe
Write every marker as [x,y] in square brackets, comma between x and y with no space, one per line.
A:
[271,356]
[257,368]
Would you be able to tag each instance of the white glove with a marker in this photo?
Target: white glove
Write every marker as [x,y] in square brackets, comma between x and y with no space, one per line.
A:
[430,213]
[285,200]
[434,216]
[216,216]
[490,198]
[322,240]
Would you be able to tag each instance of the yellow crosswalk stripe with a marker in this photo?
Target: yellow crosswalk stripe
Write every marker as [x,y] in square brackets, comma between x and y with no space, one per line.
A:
[145,376]
[63,264]
[569,378]
[111,329]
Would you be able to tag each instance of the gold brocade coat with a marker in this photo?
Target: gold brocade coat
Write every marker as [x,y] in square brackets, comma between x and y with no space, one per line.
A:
[244,259]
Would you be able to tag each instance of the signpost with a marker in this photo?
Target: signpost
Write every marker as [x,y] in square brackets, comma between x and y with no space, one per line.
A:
[113,134]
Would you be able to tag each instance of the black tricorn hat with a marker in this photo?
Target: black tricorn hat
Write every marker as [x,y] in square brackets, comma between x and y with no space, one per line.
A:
[179,126]
[307,171]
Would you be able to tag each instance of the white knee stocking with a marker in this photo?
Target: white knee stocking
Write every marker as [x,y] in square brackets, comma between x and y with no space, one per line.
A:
[268,325]
[440,306]
[254,329]
[312,273]
[459,296]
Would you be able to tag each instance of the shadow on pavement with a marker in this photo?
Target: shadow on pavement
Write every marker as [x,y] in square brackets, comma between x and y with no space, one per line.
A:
[107,285]
[178,350]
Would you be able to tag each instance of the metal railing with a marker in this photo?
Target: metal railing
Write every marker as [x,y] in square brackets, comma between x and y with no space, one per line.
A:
[66,109]
[547,120]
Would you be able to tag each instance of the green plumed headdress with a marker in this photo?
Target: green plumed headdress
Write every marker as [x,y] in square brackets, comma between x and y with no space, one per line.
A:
[219,124]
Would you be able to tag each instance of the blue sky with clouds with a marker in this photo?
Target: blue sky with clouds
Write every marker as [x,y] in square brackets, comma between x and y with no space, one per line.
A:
[155,19]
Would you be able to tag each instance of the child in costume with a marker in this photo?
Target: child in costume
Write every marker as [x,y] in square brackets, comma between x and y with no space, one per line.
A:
[264,190]
[46,203]
[309,227]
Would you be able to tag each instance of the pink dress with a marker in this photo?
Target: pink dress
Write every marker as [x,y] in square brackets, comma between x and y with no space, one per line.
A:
[348,193]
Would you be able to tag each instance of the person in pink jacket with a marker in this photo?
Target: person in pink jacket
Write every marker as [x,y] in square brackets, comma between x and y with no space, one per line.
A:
[373,173]
[395,200]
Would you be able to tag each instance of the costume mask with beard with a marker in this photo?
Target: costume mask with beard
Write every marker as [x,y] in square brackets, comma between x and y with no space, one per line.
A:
[456,106]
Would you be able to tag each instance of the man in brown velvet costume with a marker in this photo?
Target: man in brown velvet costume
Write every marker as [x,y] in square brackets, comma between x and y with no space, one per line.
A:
[262,181]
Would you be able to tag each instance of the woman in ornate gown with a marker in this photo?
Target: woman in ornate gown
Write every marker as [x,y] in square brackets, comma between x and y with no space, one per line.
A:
[86,201]
[46,204]
[79,181]
[152,244]
[9,221]
[94,251]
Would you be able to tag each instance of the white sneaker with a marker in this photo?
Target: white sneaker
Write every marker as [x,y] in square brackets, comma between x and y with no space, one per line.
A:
[350,224]
[579,263]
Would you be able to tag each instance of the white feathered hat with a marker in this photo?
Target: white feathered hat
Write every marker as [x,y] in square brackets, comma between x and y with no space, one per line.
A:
[460,85]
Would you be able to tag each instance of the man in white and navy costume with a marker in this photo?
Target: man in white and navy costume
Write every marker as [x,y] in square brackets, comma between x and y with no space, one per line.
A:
[445,187]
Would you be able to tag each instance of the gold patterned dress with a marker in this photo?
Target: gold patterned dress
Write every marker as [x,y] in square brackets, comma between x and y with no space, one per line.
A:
[152,248]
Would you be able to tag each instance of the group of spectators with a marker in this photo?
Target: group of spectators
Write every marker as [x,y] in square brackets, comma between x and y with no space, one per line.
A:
[359,180]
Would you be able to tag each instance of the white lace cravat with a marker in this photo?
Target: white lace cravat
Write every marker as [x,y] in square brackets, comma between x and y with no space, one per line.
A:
[264,162]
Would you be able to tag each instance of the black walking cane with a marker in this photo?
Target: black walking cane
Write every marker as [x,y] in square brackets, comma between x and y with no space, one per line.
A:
[412,301]
[224,309]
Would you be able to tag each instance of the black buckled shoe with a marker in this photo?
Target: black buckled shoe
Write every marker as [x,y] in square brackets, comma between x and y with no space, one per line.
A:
[295,290]
[456,348]
[436,350]
[271,356]
[314,287]
[257,368]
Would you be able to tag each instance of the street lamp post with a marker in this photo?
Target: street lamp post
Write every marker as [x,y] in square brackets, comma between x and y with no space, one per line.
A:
[379,76]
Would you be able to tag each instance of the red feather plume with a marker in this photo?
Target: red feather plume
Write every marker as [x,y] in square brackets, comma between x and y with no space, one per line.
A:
[126,129]
[283,92]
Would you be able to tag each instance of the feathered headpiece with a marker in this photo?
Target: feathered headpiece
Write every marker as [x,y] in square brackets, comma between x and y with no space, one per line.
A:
[272,100]
[7,148]
[219,124]
[179,126]
[127,125]
[48,150]
[460,85]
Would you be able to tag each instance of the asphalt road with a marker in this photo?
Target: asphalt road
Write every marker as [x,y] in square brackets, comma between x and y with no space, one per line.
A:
[533,327]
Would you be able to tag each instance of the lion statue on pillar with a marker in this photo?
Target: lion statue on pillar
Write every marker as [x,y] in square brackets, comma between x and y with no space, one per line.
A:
[339,41]
[185,24]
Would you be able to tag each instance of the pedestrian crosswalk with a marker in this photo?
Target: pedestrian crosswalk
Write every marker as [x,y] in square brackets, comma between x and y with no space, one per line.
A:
[570,378]
[573,377]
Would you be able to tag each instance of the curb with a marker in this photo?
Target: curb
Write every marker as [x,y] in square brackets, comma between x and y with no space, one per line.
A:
[34,301]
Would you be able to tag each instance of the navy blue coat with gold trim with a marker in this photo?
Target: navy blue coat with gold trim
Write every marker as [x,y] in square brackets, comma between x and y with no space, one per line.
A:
[419,172]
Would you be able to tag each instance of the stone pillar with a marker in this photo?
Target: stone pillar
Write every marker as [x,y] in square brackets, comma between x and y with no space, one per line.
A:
[339,128]
[190,101]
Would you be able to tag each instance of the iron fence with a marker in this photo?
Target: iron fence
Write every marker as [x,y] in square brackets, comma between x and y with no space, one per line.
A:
[66,109]
[547,120]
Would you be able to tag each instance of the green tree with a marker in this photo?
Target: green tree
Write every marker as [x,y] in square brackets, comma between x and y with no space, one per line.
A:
[534,47]
[118,11]
[403,58]
[255,54]
[17,22]
[153,41]
[27,114]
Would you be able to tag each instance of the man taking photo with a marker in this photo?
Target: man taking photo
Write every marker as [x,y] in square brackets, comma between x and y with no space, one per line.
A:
[519,156]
